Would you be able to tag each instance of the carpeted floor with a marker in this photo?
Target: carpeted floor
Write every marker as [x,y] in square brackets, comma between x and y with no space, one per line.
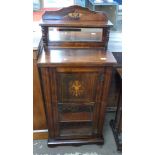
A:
[109,148]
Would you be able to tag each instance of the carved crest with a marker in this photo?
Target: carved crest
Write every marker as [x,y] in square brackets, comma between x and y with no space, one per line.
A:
[74,15]
[74,12]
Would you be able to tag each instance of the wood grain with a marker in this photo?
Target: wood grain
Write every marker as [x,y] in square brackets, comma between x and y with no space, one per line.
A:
[116,124]
[76,57]
[87,19]
[39,119]
[41,134]
[75,74]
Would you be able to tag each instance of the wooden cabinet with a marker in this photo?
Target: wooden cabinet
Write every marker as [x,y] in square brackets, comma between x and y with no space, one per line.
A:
[116,124]
[115,83]
[75,71]
[39,119]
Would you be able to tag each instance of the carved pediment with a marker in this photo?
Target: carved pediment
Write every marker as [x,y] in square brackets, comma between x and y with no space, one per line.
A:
[74,13]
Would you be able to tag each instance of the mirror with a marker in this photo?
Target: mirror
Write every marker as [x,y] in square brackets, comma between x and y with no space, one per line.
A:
[62,34]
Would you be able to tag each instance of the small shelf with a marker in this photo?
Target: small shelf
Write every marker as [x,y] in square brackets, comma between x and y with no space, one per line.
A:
[76,131]
[75,113]
[69,129]
[75,117]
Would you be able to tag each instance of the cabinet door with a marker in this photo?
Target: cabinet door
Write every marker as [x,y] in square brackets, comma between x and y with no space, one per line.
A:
[76,95]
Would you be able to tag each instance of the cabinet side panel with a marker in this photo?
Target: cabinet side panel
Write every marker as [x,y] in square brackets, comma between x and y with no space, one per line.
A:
[114,90]
[105,92]
[53,88]
[98,100]
[47,99]
[39,119]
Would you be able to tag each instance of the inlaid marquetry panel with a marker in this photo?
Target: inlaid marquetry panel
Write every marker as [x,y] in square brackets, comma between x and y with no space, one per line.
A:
[77,87]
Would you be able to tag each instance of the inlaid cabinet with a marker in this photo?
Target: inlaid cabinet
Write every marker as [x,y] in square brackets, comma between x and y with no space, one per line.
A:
[75,73]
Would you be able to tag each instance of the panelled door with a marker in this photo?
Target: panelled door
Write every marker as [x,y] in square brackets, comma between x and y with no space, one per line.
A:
[75,100]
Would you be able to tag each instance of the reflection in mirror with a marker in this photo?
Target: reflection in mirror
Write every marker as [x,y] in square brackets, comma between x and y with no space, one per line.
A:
[75,34]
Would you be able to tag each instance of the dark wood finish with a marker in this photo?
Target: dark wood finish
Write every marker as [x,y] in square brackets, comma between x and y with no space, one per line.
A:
[115,84]
[75,16]
[118,57]
[116,124]
[93,78]
[104,97]
[76,56]
[75,142]
[47,99]
[39,120]
[63,16]
[44,35]
[75,79]
[119,71]
[114,91]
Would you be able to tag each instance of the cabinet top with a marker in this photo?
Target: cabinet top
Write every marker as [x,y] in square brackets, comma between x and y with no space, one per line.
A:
[75,16]
[76,57]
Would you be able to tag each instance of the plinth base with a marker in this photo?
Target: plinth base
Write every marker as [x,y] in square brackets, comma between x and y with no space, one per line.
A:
[76,142]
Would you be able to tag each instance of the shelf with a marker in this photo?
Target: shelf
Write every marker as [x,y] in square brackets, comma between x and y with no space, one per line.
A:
[75,117]
[75,113]
[69,129]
